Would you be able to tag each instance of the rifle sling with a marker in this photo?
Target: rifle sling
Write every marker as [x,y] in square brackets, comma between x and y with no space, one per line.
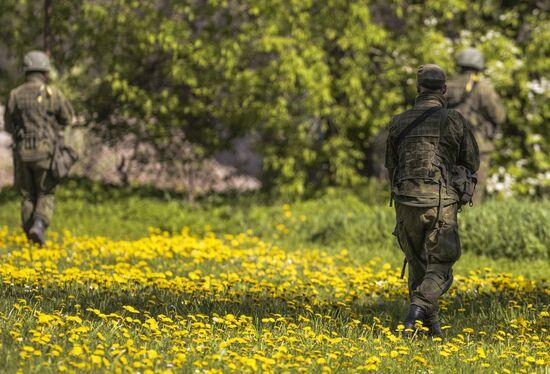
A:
[403,134]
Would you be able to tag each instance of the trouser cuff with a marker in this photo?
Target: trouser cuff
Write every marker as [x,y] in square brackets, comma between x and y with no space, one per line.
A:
[43,218]
[426,306]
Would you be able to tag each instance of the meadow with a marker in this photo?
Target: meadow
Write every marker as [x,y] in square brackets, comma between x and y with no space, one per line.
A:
[143,281]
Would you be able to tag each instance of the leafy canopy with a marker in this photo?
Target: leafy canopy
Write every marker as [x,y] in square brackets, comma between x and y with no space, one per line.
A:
[311,81]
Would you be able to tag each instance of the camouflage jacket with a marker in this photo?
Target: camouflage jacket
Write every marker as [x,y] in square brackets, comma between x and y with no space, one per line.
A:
[456,145]
[476,99]
[34,116]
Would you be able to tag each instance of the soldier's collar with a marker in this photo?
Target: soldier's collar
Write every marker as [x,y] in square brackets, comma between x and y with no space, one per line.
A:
[36,77]
[428,100]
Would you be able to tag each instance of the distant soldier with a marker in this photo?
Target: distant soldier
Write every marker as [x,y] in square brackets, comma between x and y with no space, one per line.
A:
[475,98]
[431,157]
[35,116]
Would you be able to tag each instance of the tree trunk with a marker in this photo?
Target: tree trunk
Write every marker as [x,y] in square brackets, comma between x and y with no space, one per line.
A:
[47,27]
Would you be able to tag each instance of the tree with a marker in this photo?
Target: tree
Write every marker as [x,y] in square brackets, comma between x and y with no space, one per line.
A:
[312,81]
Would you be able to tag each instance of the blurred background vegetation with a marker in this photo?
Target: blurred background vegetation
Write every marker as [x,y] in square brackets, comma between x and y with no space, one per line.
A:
[309,82]
[510,235]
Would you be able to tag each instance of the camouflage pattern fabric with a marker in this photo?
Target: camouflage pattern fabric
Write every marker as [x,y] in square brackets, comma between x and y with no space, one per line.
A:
[37,188]
[482,176]
[375,153]
[35,115]
[426,204]
[431,76]
[456,145]
[471,58]
[431,247]
[476,99]
[36,61]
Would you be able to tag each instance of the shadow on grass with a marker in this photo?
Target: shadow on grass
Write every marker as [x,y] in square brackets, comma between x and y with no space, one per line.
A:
[484,310]
[371,191]
[94,191]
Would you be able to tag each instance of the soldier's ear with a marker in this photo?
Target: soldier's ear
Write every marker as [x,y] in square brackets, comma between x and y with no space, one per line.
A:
[444,89]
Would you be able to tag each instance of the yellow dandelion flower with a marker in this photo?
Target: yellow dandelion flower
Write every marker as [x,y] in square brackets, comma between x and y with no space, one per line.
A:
[130,309]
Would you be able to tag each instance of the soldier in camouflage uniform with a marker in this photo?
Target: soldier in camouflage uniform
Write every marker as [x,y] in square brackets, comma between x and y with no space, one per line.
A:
[475,98]
[424,144]
[35,116]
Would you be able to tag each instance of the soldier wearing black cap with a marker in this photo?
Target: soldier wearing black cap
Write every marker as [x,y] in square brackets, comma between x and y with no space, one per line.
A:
[427,147]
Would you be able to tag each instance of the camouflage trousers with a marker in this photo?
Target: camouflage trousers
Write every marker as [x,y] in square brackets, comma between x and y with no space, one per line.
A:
[431,247]
[482,175]
[37,187]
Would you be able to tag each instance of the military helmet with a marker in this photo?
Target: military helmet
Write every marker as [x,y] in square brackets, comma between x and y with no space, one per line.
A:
[36,61]
[470,58]
[431,76]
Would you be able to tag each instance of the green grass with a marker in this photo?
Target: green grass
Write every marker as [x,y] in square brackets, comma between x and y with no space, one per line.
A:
[509,236]
[298,299]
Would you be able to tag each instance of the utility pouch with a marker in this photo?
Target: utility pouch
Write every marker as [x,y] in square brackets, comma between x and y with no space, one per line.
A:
[464,182]
[33,146]
[63,160]
[63,156]
[29,141]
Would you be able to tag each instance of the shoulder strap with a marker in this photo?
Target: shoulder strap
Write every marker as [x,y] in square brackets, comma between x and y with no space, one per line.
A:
[416,122]
[469,89]
[442,123]
[443,163]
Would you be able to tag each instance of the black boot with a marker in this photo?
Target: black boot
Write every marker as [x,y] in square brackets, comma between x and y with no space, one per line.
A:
[435,330]
[432,323]
[415,313]
[37,233]
[26,227]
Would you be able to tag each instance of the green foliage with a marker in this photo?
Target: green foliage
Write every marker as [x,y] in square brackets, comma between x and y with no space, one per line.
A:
[312,81]
[513,229]
[182,303]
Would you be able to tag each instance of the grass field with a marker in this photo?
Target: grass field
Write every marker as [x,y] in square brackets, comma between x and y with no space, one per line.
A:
[259,285]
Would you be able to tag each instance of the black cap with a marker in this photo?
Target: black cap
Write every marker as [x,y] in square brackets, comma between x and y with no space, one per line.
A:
[431,76]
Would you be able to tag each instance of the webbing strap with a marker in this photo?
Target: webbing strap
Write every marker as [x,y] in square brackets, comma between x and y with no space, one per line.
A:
[403,134]
[445,177]
[468,91]
[404,268]
[406,132]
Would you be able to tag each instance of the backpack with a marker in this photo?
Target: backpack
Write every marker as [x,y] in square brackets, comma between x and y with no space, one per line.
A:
[63,156]
[419,158]
[34,136]
[464,182]
[417,152]
[457,95]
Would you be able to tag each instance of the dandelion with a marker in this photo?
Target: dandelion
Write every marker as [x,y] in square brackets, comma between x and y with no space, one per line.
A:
[130,309]
[239,303]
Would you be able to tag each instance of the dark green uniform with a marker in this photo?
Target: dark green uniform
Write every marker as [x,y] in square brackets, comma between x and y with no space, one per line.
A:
[476,99]
[35,115]
[426,204]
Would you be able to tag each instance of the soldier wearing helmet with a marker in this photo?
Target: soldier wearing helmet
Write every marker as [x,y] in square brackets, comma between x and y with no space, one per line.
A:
[35,115]
[431,154]
[475,98]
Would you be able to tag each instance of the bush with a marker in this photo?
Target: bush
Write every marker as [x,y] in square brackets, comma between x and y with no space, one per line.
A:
[312,82]
[359,221]
[512,228]
[515,229]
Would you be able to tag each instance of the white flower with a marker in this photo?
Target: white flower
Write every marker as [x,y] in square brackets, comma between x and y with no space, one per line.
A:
[539,86]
